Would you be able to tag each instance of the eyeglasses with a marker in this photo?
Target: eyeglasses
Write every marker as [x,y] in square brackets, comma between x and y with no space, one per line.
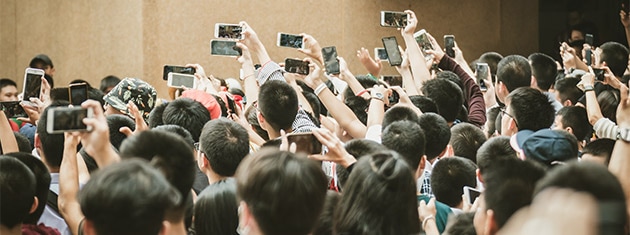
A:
[196,146]
[503,112]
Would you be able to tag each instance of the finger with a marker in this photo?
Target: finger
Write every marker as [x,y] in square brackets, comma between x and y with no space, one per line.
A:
[96,107]
[292,147]
[319,157]
[126,131]
[284,141]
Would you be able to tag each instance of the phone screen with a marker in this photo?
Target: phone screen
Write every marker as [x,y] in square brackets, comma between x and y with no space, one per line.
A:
[449,43]
[472,194]
[599,74]
[290,40]
[32,86]
[224,48]
[393,54]
[78,93]
[588,56]
[394,19]
[482,73]
[380,53]
[177,69]
[62,119]
[13,109]
[296,66]
[305,143]
[330,60]
[229,31]
[423,40]
[589,39]
[179,80]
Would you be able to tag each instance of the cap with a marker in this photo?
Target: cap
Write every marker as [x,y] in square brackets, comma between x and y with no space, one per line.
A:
[135,90]
[206,100]
[517,140]
[549,146]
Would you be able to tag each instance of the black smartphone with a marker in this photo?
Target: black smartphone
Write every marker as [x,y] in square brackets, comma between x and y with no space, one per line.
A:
[224,48]
[599,74]
[330,60]
[306,143]
[290,40]
[296,66]
[588,56]
[13,109]
[78,93]
[394,19]
[64,119]
[177,69]
[32,83]
[449,43]
[393,54]
[482,73]
[589,39]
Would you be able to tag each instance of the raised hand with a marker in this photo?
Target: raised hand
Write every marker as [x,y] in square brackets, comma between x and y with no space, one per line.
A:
[312,48]
[373,66]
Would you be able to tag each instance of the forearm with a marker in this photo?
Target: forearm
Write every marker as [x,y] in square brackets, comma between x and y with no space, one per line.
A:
[7,138]
[592,107]
[342,114]
[474,97]
[376,112]
[408,82]
[105,157]
[464,64]
[416,60]
[627,35]
[620,166]
[259,50]
[68,188]
[353,83]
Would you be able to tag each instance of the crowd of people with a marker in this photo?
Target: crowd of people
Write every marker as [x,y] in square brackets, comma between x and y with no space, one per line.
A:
[546,144]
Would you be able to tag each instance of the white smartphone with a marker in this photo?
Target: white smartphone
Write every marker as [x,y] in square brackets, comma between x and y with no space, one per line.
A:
[471,194]
[394,19]
[178,80]
[290,40]
[65,119]
[32,83]
[224,48]
[425,44]
[228,31]
[381,53]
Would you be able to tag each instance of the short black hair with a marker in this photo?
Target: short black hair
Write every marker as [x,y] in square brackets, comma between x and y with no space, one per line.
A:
[616,57]
[531,109]
[252,119]
[24,145]
[576,118]
[544,69]
[7,82]
[492,151]
[155,116]
[491,121]
[178,130]
[109,81]
[461,224]
[187,113]
[466,139]
[600,148]
[51,144]
[42,182]
[216,209]
[447,96]
[224,143]
[608,102]
[18,187]
[514,71]
[492,59]
[106,199]
[425,104]
[278,103]
[567,89]
[115,122]
[398,113]
[438,131]
[358,106]
[324,225]
[407,139]
[96,94]
[448,178]
[358,148]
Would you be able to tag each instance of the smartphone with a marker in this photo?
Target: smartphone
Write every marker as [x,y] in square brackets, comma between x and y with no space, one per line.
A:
[471,194]
[392,80]
[305,143]
[290,40]
[449,43]
[394,19]
[588,56]
[13,109]
[380,53]
[393,98]
[178,80]
[393,54]
[330,60]
[599,74]
[64,119]
[177,69]
[296,66]
[32,83]
[625,6]
[228,31]
[224,48]
[78,93]
[482,73]
[423,40]
[589,39]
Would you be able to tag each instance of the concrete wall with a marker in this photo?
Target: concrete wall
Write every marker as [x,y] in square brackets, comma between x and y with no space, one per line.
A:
[90,39]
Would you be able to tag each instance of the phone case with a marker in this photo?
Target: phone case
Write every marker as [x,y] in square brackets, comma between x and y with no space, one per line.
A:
[25,87]
[173,76]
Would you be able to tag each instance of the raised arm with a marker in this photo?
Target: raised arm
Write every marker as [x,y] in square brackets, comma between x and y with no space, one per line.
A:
[96,142]
[312,48]
[350,79]
[69,206]
[416,58]
[407,77]
[619,161]
[249,75]
[625,21]
[373,66]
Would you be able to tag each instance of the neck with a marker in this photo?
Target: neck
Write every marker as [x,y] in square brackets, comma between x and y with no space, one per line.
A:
[273,134]
[213,177]
[16,230]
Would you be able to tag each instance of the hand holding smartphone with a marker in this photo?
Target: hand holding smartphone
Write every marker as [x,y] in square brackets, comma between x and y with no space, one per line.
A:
[483,71]
[394,19]
[13,109]
[66,119]
[296,66]
[177,69]
[330,60]
[305,143]
[290,40]
[471,194]
[32,83]
[393,53]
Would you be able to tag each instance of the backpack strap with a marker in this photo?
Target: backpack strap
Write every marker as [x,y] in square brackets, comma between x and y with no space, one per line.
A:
[52,202]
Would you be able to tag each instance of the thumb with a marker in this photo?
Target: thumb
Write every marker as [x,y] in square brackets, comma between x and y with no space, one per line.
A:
[126,131]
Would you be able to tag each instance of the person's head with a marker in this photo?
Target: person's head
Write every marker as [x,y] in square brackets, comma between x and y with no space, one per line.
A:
[155,117]
[358,148]
[251,116]
[466,138]
[408,139]
[491,152]
[574,120]
[615,55]
[508,189]
[18,189]
[49,146]
[223,144]
[43,62]
[324,225]
[544,70]
[187,113]
[115,122]
[216,209]
[24,145]
[448,178]
[425,104]
[8,90]
[527,109]
[141,93]
[438,133]
[460,224]
[513,72]
[110,207]
[492,59]
[598,151]
[550,147]
[280,192]
[447,96]
[608,101]
[567,92]
[380,198]
[398,113]
[42,182]
[490,128]
[108,83]
[277,106]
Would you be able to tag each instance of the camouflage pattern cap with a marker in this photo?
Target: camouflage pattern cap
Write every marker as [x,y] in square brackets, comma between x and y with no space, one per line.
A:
[135,90]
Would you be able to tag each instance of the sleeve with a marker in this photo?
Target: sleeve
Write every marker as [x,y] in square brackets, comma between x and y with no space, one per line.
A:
[605,128]
[270,71]
[472,93]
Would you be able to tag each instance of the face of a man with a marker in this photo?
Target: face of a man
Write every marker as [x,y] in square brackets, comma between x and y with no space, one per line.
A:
[8,93]
[507,127]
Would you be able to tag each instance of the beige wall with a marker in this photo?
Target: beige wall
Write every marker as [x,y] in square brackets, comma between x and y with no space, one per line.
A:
[90,39]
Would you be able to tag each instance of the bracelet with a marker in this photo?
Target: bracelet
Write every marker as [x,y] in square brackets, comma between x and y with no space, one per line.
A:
[425,220]
[362,92]
[588,88]
[320,88]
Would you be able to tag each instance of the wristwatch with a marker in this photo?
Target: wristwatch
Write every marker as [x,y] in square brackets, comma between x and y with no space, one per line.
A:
[378,96]
[624,134]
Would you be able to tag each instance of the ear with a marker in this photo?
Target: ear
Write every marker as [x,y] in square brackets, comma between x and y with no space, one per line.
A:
[166,228]
[421,165]
[88,227]
[533,83]
[569,129]
[478,174]
[34,206]
[491,225]
[449,151]
[512,125]
[37,142]
[567,103]
[261,120]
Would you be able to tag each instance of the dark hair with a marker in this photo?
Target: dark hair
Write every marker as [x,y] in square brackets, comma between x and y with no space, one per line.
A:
[216,209]
[600,148]
[178,130]
[24,145]
[155,116]
[7,82]
[438,131]
[42,182]
[358,148]
[492,151]
[447,96]
[115,122]
[576,118]
[616,57]
[461,224]
[544,69]
[224,143]
[608,101]
[315,104]
[407,139]
[358,105]
[466,138]
[398,113]
[514,71]
[425,104]
[491,123]
[510,187]
[250,115]
[365,81]
[324,225]
[567,90]
[109,81]
[187,113]
[278,103]
[51,144]
[380,198]
[107,200]
[492,59]
[448,178]
[18,187]
[96,94]
[59,93]
[531,109]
